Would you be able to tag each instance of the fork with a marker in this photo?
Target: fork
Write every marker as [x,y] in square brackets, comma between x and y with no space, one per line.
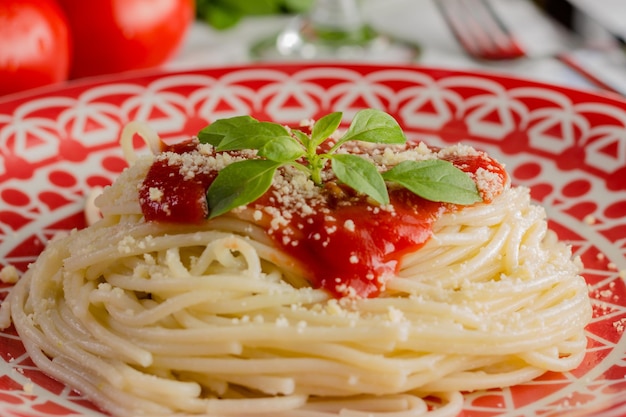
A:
[484,36]
[479,30]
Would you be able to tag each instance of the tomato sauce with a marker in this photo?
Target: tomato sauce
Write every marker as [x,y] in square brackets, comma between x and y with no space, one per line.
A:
[349,245]
[356,248]
[183,200]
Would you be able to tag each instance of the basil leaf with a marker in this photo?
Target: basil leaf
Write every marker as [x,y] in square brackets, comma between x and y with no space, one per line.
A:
[243,182]
[240,183]
[215,132]
[302,137]
[375,126]
[282,149]
[252,136]
[325,127]
[361,175]
[435,180]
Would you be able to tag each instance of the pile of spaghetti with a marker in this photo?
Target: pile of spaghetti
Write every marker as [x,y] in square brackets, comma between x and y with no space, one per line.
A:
[313,297]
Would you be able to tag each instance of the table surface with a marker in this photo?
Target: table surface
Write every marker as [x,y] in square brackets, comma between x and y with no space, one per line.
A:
[419,21]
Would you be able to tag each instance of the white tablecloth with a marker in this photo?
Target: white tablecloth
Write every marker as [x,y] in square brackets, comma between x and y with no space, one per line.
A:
[419,21]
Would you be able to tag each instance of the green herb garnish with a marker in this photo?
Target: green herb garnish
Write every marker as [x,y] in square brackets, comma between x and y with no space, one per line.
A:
[243,182]
[224,14]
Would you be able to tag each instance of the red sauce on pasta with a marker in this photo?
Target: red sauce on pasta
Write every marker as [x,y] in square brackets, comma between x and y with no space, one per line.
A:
[168,195]
[347,244]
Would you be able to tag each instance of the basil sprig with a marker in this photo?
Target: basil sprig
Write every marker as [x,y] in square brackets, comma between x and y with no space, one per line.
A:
[243,182]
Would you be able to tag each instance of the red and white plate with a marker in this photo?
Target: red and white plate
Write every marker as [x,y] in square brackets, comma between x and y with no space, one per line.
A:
[569,146]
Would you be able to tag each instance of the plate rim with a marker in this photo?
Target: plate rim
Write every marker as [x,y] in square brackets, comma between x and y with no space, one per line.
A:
[141,75]
[158,72]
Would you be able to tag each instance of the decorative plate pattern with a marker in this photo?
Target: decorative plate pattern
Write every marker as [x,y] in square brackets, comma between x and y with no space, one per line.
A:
[569,146]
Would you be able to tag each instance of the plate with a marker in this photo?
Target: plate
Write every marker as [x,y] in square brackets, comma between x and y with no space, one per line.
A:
[568,146]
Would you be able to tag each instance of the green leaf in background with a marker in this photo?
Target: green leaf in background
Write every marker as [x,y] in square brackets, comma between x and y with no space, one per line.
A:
[435,180]
[240,183]
[361,175]
[216,15]
[297,6]
[256,7]
[371,125]
[224,14]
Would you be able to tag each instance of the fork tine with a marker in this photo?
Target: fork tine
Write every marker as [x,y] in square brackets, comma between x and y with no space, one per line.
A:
[479,30]
[502,36]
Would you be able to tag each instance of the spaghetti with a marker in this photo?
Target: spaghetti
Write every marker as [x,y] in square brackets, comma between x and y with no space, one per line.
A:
[228,316]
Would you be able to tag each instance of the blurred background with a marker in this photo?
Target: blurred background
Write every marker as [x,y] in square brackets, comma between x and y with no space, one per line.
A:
[47,42]
[50,41]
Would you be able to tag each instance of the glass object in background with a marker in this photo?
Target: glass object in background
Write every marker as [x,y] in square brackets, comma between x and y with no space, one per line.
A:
[333,30]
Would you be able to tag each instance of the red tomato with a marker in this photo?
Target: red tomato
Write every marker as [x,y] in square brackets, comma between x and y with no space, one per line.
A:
[34,44]
[118,35]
